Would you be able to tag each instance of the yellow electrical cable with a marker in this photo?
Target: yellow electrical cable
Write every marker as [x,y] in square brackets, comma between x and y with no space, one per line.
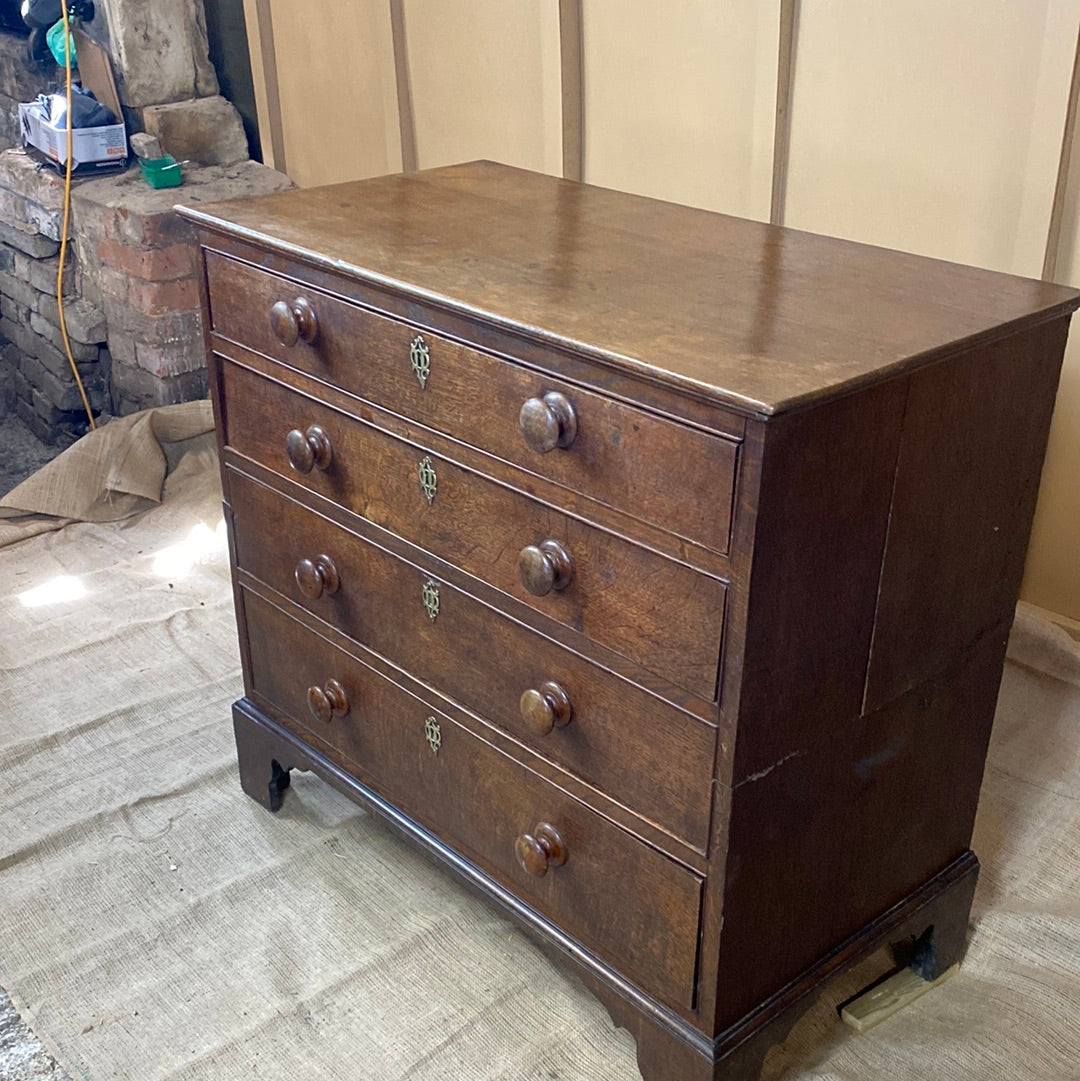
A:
[67,218]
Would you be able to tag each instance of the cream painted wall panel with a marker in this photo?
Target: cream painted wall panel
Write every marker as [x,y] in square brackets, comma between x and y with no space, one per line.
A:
[486,81]
[1044,146]
[679,100]
[936,128]
[931,127]
[338,96]
[1052,576]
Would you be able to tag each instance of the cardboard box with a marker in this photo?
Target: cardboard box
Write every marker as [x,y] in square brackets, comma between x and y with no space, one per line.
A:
[91,148]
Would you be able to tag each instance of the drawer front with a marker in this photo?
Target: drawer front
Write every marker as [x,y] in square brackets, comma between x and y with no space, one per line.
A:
[631,904]
[619,455]
[660,614]
[649,756]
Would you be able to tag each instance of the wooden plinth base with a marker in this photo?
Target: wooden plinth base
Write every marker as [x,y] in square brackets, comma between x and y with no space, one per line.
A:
[668,1048]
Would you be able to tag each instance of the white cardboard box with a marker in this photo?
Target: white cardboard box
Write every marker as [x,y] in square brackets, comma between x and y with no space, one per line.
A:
[90,147]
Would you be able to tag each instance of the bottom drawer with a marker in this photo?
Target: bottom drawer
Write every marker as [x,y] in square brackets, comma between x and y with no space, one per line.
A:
[630,904]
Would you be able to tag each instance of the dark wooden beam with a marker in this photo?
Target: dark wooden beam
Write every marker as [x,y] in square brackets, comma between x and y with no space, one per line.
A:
[406,119]
[573,102]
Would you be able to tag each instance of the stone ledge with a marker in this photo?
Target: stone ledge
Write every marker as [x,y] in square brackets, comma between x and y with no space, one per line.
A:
[124,207]
[22,174]
[18,210]
[207,130]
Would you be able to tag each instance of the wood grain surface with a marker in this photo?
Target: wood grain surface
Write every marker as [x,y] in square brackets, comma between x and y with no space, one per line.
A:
[659,613]
[621,456]
[633,905]
[642,751]
[760,317]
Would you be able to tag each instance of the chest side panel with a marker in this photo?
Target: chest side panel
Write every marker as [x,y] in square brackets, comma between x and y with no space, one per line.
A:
[967,479]
[848,797]
[825,483]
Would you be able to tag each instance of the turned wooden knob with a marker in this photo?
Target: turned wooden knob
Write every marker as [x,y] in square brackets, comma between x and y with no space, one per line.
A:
[291,322]
[328,702]
[317,576]
[305,450]
[539,850]
[546,707]
[543,567]
[548,422]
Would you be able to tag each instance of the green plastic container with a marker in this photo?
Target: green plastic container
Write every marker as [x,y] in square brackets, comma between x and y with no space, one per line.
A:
[161,172]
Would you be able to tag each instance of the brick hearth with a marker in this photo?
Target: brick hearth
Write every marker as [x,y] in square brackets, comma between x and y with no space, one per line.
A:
[130,296]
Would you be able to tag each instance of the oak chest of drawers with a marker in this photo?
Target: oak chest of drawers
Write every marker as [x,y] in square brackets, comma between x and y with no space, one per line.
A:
[652,567]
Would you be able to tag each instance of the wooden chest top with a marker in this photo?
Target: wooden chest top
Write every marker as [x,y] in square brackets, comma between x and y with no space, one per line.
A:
[761,318]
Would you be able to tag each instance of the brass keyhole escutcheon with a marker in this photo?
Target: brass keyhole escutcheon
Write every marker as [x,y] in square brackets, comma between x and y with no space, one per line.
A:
[429,482]
[430,597]
[420,358]
[433,734]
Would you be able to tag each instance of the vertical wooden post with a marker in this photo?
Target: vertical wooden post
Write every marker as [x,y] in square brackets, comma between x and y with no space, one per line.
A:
[406,120]
[1061,188]
[573,104]
[782,125]
[268,56]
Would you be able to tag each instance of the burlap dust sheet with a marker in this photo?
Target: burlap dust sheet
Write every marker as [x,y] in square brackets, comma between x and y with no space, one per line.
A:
[157,923]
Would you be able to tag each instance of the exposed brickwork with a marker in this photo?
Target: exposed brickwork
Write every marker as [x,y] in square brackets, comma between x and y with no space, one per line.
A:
[39,384]
[41,273]
[151,264]
[135,385]
[159,298]
[145,261]
[131,292]
[131,295]
[25,239]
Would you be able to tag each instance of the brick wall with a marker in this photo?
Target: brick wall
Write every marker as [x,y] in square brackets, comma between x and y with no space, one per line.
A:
[38,382]
[131,292]
[144,260]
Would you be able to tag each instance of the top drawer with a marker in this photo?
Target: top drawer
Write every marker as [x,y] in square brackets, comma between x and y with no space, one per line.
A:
[618,455]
